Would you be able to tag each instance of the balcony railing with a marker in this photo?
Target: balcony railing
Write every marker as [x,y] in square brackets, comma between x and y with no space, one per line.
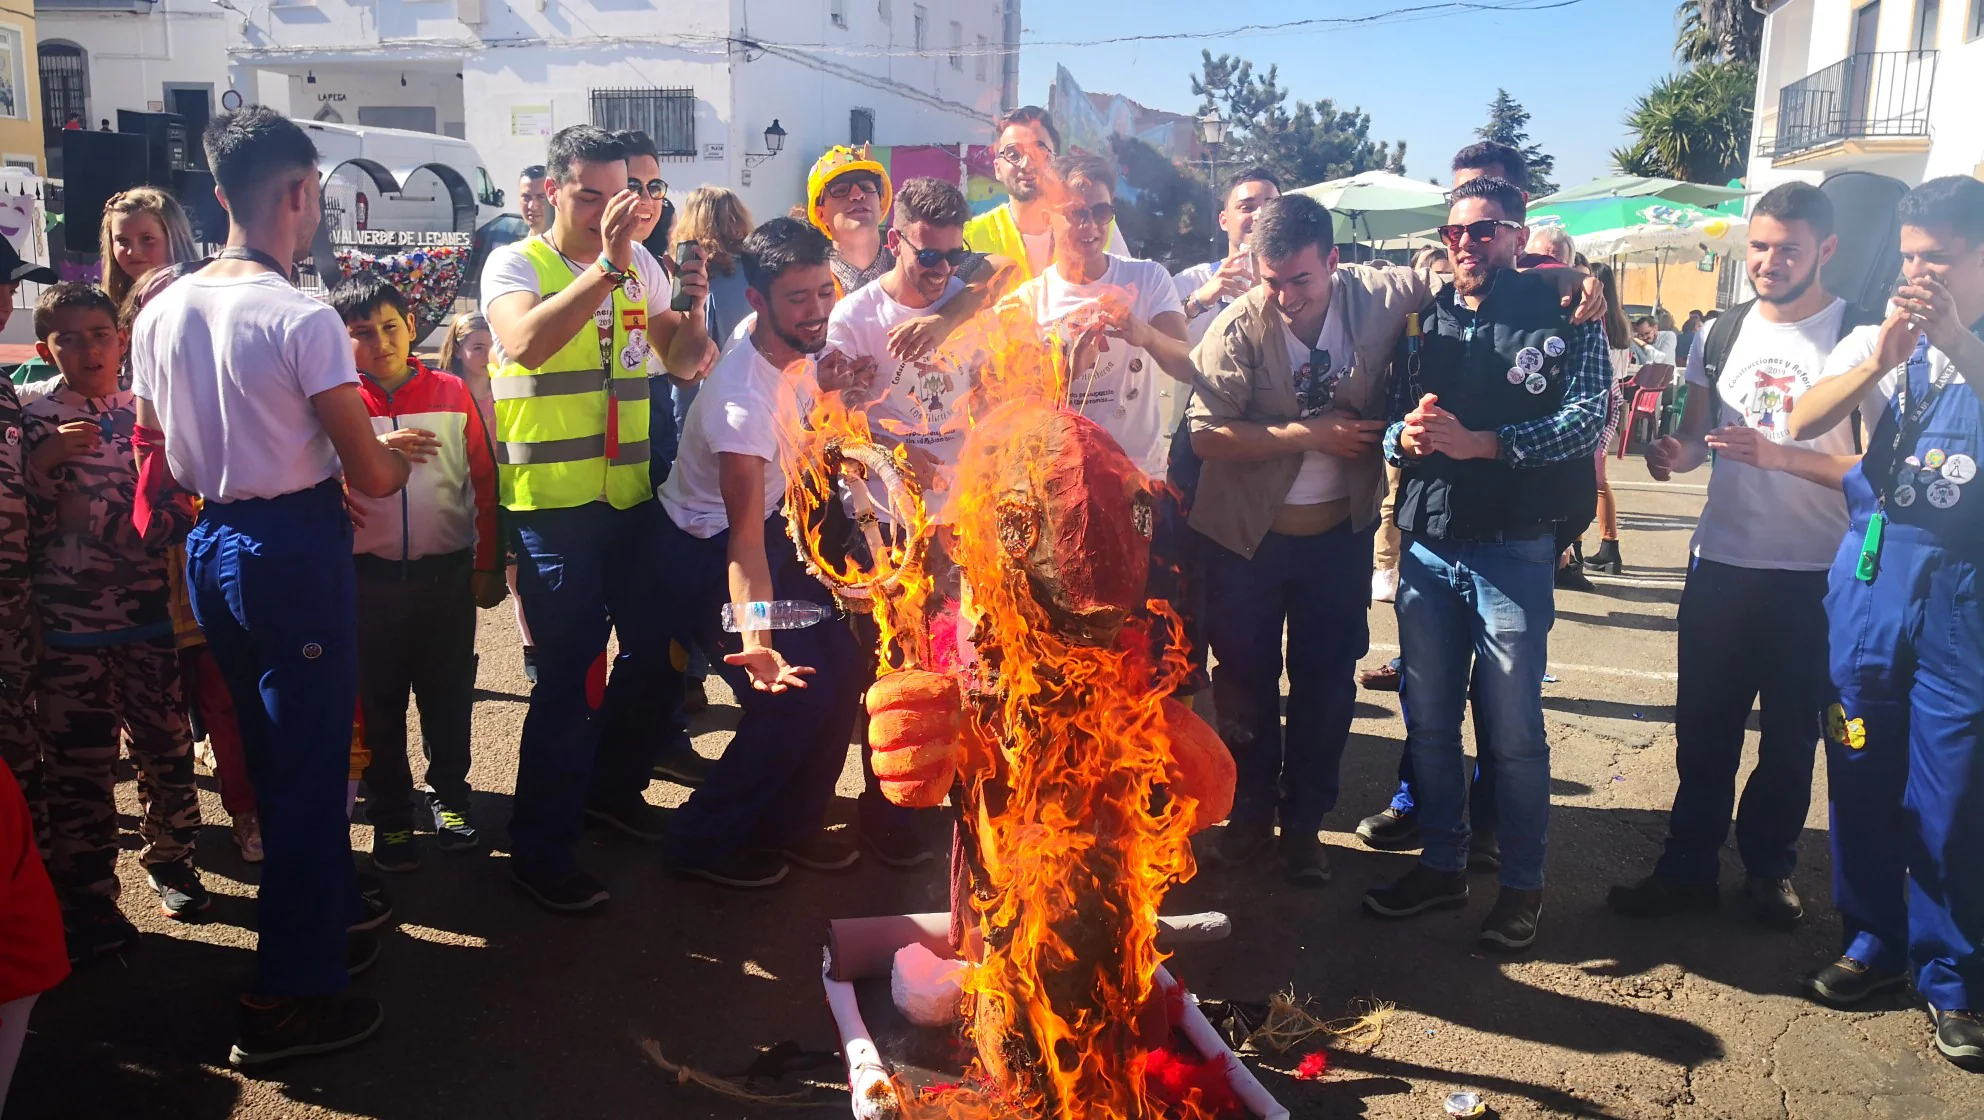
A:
[1873,96]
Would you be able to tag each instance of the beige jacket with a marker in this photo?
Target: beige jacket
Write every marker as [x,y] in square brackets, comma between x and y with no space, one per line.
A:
[1245,376]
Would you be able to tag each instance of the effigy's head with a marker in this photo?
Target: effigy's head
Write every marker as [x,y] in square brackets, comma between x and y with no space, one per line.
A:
[1046,493]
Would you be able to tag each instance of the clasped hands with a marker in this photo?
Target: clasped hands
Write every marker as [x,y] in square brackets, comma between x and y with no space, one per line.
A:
[1430,429]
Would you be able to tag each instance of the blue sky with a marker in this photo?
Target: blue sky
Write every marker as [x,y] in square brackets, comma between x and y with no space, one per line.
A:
[1426,80]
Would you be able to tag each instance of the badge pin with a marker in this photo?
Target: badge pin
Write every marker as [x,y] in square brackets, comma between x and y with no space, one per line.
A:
[312,651]
[1914,462]
[1553,346]
[1516,375]
[1904,496]
[1536,383]
[1136,365]
[1943,493]
[633,290]
[1934,458]
[1959,469]
[1529,359]
[1925,476]
[631,358]
[1132,394]
[13,435]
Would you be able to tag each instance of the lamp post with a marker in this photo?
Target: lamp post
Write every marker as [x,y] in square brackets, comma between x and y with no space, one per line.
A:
[1212,136]
[774,144]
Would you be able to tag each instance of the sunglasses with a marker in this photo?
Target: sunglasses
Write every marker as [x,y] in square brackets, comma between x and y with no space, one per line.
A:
[653,188]
[1101,214]
[1483,230]
[842,187]
[931,258]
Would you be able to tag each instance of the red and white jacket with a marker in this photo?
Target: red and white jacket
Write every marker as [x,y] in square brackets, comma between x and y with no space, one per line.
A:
[449,502]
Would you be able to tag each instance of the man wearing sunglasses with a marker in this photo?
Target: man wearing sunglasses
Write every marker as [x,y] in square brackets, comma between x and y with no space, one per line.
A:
[1497,407]
[1023,157]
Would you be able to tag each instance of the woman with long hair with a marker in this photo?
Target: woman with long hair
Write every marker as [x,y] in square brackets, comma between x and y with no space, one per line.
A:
[465,353]
[143,228]
[1619,340]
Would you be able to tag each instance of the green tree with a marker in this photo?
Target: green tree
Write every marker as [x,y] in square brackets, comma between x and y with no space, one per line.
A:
[1508,123]
[1164,211]
[1718,31]
[1694,125]
[1309,143]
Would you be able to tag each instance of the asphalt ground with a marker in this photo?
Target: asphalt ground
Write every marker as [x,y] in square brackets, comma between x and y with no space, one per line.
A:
[498,1009]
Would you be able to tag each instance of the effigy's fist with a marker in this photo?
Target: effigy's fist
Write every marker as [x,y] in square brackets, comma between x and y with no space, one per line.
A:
[913,723]
[1201,767]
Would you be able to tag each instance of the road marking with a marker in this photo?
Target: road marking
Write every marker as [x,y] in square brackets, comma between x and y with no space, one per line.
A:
[1657,487]
[1560,671]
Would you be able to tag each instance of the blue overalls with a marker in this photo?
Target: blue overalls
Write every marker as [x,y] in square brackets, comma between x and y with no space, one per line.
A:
[1907,658]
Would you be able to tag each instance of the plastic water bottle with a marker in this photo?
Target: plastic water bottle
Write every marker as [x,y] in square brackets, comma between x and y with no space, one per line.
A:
[785,614]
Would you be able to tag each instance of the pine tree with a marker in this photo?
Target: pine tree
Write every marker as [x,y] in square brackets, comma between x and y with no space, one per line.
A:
[1508,123]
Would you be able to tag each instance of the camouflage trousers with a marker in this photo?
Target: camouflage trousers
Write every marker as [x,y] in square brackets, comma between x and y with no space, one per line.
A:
[20,744]
[85,697]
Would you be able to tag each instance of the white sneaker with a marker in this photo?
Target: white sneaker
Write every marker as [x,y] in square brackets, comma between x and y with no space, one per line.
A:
[1384,586]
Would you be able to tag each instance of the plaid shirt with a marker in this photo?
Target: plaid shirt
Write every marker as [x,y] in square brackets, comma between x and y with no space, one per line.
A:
[1573,430]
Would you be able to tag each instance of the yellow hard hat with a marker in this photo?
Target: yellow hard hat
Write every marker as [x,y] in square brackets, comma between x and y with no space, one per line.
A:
[839,160]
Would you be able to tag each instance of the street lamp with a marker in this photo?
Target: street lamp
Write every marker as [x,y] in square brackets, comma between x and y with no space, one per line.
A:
[1212,136]
[774,144]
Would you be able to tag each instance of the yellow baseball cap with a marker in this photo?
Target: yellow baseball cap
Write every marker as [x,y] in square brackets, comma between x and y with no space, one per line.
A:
[839,160]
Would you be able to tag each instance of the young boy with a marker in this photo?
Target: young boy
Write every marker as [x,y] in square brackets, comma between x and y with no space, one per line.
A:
[20,647]
[426,558]
[108,659]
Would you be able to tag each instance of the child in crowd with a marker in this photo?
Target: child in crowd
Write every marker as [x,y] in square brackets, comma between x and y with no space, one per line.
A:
[20,646]
[143,228]
[108,661]
[426,558]
[465,354]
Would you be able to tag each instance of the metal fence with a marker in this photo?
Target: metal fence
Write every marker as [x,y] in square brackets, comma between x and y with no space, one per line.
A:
[668,116]
[1875,95]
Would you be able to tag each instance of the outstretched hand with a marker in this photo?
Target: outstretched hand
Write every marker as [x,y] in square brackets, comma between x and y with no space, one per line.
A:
[768,669]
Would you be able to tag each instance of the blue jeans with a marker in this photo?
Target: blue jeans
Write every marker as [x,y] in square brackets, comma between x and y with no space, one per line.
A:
[1319,588]
[1480,795]
[1491,604]
[1746,633]
[272,585]
[585,740]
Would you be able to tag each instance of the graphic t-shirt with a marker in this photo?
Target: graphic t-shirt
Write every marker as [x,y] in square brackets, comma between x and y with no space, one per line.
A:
[1769,519]
[916,403]
[744,408]
[1317,373]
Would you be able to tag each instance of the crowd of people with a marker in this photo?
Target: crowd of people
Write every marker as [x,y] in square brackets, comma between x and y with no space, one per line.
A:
[237,513]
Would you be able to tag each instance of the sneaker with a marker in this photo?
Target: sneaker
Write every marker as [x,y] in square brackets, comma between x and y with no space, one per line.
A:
[1240,845]
[394,852]
[1846,981]
[1571,577]
[637,819]
[823,851]
[745,869]
[453,831]
[180,895]
[1512,923]
[1421,889]
[295,1028]
[1484,853]
[1304,862]
[97,932]
[530,664]
[900,848]
[373,911]
[1773,902]
[1393,830]
[1384,586]
[370,885]
[361,951]
[695,697]
[571,893]
[1960,1036]
[1660,896]
[248,837]
[684,768]
[1384,678]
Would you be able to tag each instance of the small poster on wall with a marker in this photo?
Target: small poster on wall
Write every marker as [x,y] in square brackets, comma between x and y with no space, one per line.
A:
[10,82]
[530,120]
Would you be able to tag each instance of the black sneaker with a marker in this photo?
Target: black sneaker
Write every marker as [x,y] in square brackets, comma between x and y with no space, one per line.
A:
[900,848]
[453,831]
[1390,831]
[1773,902]
[1484,853]
[296,1028]
[695,697]
[1421,889]
[572,893]
[637,819]
[180,895]
[1303,860]
[370,885]
[823,851]
[1960,1036]
[373,911]
[361,951]
[1846,981]
[395,852]
[530,664]
[1511,925]
[746,869]
[684,768]
[1659,896]
[1240,845]
[97,932]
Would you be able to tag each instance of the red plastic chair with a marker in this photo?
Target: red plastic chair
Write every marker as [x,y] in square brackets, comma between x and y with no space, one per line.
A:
[1644,395]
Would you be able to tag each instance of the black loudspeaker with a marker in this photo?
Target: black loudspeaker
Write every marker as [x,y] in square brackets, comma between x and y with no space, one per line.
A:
[165,138]
[1864,269]
[195,192]
[95,166]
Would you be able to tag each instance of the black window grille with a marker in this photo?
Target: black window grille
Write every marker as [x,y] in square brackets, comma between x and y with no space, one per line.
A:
[861,126]
[65,89]
[668,116]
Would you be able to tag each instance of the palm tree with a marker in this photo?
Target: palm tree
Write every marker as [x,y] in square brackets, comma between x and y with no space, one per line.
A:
[1694,125]
[1718,31]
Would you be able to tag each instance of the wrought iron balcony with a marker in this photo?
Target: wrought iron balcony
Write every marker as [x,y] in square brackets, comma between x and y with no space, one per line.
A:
[1877,96]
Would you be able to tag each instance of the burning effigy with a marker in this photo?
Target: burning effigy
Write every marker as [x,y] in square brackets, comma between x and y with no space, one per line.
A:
[1036,703]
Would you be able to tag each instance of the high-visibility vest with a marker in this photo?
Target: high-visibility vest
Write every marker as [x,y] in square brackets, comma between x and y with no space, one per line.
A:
[575,429]
[996,232]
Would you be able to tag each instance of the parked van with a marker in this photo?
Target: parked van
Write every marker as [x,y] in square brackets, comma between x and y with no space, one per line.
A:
[396,181]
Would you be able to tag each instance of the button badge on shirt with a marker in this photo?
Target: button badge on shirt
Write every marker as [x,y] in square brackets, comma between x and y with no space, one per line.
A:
[1529,359]
[1959,469]
[1934,459]
[1904,496]
[1943,493]
[632,288]
[1536,383]
[1517,375]
[1553,346]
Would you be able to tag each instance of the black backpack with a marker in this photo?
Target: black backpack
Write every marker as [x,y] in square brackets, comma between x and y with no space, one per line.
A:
[1722,336]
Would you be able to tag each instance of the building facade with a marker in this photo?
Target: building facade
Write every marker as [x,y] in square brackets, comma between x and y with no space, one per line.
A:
[21,141]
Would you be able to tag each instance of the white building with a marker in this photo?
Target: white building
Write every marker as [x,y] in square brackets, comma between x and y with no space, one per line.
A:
[1891,86]
[100,56]
[706,78]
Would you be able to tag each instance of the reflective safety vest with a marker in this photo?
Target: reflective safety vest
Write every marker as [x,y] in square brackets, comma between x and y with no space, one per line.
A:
[575,429]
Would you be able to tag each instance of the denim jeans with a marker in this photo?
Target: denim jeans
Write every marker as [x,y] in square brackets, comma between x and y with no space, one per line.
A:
[1480,795]
[1746,633]
[1491,603]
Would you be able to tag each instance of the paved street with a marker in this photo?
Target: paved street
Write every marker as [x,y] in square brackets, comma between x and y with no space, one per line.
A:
[497,1009]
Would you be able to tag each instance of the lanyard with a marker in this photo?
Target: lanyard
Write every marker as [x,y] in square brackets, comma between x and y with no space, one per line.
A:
[1908,430]
[256,256]
[606,355]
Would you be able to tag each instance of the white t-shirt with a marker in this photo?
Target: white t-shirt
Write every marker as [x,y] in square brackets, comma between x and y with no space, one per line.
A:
[1858,347]
[230,364]
[1321,478]
[744,407]
[1121,391]
[1770,519]
[916,403]
[1040,247]
[508,270]
[1191,280]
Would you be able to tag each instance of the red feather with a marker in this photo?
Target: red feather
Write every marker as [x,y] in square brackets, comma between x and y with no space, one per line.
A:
[1313,1066]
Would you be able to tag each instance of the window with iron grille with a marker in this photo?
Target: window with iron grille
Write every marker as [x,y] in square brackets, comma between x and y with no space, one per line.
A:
[668,116]
[985,48]
[957,45]
[861,126]
[65,85]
